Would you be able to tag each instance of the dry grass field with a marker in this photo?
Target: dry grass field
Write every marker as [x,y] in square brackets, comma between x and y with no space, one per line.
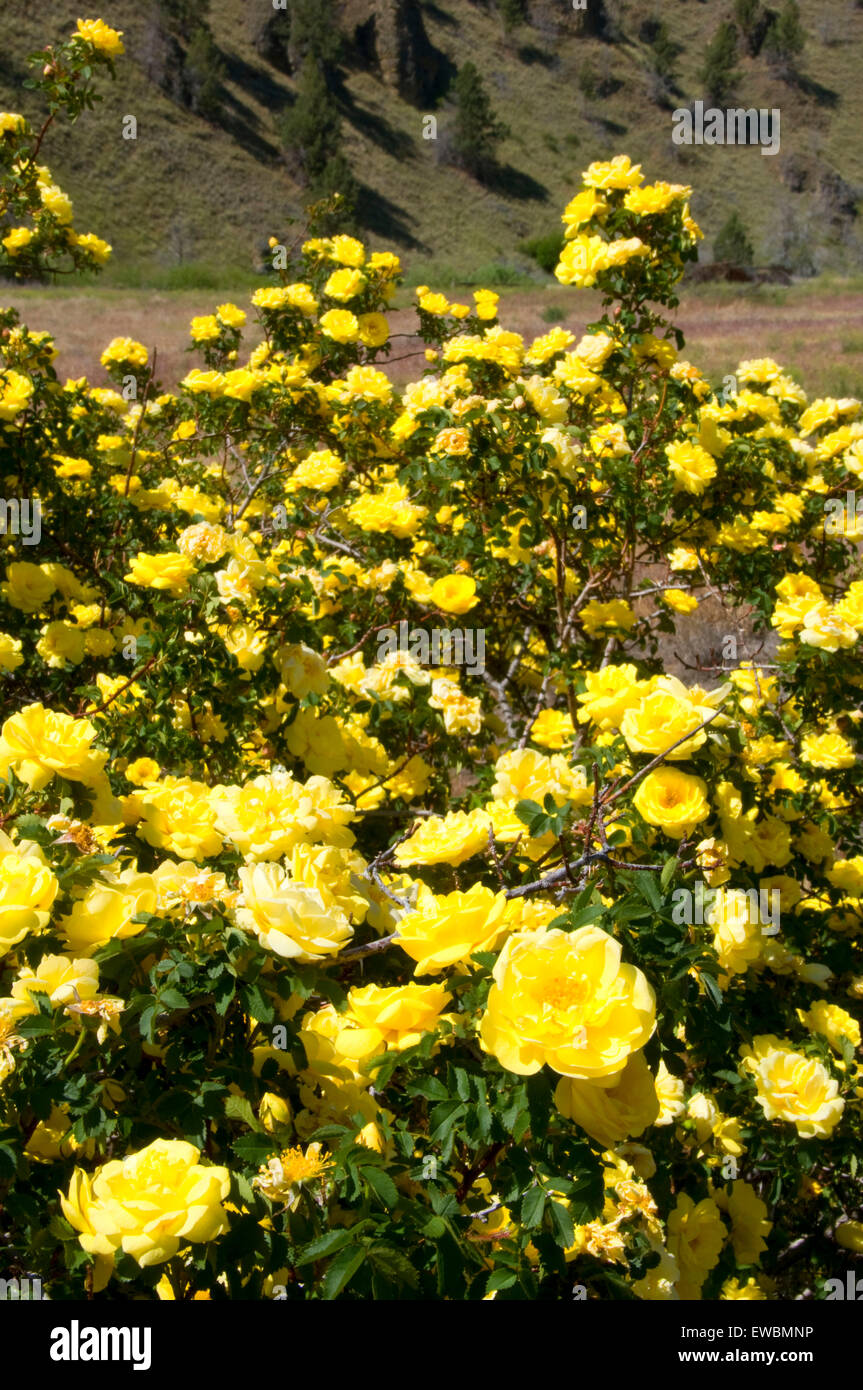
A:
[813,328]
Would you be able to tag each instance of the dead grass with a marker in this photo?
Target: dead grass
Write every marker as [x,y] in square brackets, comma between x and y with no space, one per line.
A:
[814,335]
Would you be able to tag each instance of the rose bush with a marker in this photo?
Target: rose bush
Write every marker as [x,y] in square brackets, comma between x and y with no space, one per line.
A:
[241,829]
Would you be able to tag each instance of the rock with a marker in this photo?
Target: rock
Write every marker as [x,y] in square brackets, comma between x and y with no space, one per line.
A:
[389,36]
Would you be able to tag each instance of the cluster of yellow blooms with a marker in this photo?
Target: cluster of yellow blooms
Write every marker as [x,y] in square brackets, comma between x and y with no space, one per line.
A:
[205,695]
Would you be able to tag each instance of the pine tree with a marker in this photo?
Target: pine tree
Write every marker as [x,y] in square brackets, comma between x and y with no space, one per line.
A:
[786,39]
[204,72]
[718,73]
[312,128]
[477,132]
[732,243]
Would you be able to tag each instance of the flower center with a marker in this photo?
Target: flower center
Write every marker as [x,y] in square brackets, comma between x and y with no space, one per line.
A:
[565,992]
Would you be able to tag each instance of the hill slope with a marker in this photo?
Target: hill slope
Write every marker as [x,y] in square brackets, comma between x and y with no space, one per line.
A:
[193,189]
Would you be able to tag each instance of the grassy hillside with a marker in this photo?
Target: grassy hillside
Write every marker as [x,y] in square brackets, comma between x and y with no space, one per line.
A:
[190,190]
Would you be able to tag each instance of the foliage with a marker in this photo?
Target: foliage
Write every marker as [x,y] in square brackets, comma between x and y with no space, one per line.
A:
[732,242]
[477,131]
[718,72]
[382,974]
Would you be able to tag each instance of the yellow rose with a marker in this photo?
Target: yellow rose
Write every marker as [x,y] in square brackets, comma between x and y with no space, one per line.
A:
[565,999]
[28,587]
[148,1203]
[449,839]
[27,890]
[455,593]
[62,980]
[98,35]
[611,1113]
[171,570]
[290,918]
[340,325]
[673,800]
[106,911]
[401,1014]
[792,1087]
[695,1237]
[38,743]
[177,815]
[831,1023]
[269,815]
[446,930]
[658,721]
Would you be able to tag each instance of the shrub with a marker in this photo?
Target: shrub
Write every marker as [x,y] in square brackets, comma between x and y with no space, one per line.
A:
[379,917]
[718,73]
[732,243]
[477,131]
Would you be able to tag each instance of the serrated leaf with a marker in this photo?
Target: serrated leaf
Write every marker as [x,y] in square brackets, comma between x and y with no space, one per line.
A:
[342,1271]
[532,1207]
[381,1183]
[239,1108]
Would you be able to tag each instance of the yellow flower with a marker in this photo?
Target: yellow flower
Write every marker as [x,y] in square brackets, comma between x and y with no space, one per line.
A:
[28,587]
[597,617]
[446,930]
[282,1179]
[749,1224]
[169,570]
[449,839]
[553,728]
[148,1203]
[751,1291]
[832,1023]
[17,240]
[695,1237]
[10,652]
[62,980]
[669,1091]
[178,816]
[98,35]
[107,911]
[122,350]
[27,891]
[658,721]
[618,172]
[611,1113]
[691,466]
[792,1087]
[565,999]
[39,743]
[679,600]
[673,800]
[290,918]
[454,593]
[400,1014]
[345,284]
[829,750]
[340,325]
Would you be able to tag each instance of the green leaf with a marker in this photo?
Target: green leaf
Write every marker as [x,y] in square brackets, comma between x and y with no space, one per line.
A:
[239,1108]
[342,1271]
[669,869]
[532,1207]
[254,1149]
[327,1244]
[381,1183]
[563,1227]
